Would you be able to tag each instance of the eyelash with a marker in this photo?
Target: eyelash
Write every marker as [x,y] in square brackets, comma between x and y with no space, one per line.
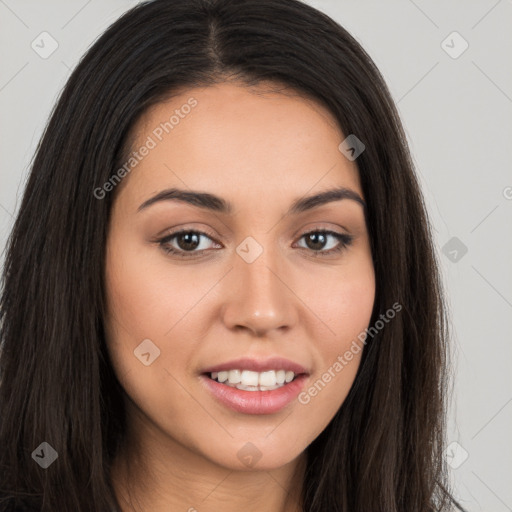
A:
[343,239]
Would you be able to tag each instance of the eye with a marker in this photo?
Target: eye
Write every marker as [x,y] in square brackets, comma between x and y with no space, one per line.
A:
[188,243]
[318,239]
[185,242]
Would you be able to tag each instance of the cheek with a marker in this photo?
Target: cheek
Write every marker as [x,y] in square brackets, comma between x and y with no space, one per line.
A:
[350,311]
[145,301]
[146,296]
[344,302]
[350,307]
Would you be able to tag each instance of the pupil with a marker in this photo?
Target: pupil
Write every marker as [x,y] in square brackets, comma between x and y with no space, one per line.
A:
[191,240]
[317,239]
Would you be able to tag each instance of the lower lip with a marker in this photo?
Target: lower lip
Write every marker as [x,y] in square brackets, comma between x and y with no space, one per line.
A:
[255,402]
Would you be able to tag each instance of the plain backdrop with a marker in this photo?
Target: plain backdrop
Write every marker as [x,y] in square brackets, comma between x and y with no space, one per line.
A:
[447,65]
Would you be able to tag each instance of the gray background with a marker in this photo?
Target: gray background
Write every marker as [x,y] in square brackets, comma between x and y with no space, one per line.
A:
[456,110]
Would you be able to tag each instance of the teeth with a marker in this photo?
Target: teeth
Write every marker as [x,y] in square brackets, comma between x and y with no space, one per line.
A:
[249,378]
[246,388]
[234,377]
[254,381]
[267,378]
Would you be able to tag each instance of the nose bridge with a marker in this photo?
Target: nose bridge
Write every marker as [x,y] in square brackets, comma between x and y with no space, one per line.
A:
[258,300]
[259,282]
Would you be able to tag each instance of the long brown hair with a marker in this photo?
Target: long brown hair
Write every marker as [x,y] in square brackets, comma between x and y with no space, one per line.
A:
[383,449]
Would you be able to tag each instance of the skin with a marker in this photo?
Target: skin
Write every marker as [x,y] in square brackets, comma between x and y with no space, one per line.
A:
[259,150]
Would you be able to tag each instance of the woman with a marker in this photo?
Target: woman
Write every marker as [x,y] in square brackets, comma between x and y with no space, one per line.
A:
[220,292]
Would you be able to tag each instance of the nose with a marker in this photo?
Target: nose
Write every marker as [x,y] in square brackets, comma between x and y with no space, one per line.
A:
[259,297]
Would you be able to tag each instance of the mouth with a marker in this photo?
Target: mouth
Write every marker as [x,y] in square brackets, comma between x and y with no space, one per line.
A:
[260,389]
[247,380]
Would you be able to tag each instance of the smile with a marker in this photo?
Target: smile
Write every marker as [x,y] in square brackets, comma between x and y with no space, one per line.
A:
[252,399]
[248,380]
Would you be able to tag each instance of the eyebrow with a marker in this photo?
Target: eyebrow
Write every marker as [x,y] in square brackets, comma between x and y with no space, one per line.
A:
[217,204]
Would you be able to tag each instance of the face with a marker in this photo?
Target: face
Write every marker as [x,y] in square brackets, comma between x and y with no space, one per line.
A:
[258,273]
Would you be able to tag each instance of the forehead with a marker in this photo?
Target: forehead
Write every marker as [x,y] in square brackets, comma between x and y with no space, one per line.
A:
[229,137]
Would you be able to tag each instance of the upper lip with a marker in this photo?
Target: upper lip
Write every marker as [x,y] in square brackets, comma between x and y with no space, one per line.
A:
[258,365]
